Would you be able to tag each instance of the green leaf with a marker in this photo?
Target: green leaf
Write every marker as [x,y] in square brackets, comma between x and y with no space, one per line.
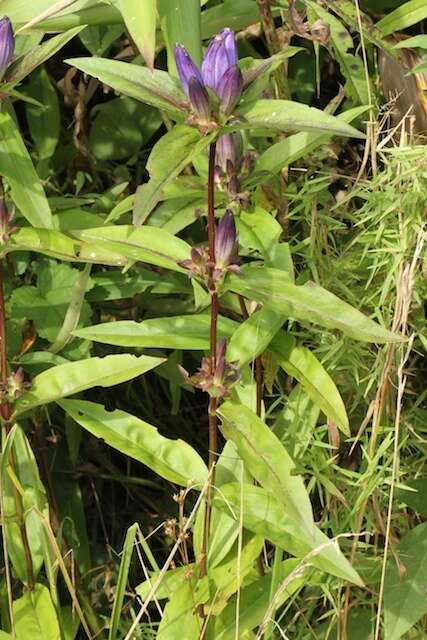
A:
[224,529]
[252,337]
[35,616]
[295,424]
[405,599]
[140,20]
[156,88]
[307,303]
[351,65]
[174,332]
[417,498]
[254,601]
[404,16]
[284,115]
[47,303]
[302,364]
[173,460]
[168,158]
[71,508]
[299,145]
[16,166]
[44,123]
[258,230]
[180,21]
[236,14]
[120,127]
[38,55]
[146,244]
[122,580]
[267,460]
[58,245]
[420,68]
[179,614]
[34,502]
[74,377]
[265,514]
[412,43]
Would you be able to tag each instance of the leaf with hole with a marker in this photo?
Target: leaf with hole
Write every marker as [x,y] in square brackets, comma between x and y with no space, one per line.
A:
[74,377]
[173,460]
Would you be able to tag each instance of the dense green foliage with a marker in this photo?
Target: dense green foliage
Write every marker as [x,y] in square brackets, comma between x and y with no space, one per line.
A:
[208,435]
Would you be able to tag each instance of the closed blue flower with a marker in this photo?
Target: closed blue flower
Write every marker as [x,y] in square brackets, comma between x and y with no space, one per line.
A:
[220,72]
[7,45]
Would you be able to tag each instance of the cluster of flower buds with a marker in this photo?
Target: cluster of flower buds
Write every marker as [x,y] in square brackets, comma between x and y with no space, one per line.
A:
[7,45]
[14,387]
[220,74]
[219,382]
[226,255]
[6,223]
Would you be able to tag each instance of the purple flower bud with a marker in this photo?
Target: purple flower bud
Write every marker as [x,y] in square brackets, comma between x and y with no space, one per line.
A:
[225,241]
[186,68]
[230,89]
[230,45]
[220,55]
[229,149]
[199,98]
[7,45]
[220,363]
[234,186]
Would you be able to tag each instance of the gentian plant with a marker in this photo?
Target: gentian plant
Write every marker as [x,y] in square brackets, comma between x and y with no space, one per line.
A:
[218,309]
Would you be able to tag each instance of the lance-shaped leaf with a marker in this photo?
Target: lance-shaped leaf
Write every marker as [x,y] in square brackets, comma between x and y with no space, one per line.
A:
[34,498]
[261,331]
[74,377]
[309,303]
[174,460]
[402,17]
[38,55]
[176,332]
[140,20]
[266,515]
[297,146]
[146,244]
[253,602]
[57,245]
[180,22]
[16,166]
[156,88]
[168,158]
[267,460]
[284,115]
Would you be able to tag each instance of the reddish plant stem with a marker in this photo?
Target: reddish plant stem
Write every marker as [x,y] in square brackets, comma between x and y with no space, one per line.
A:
[213,427]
